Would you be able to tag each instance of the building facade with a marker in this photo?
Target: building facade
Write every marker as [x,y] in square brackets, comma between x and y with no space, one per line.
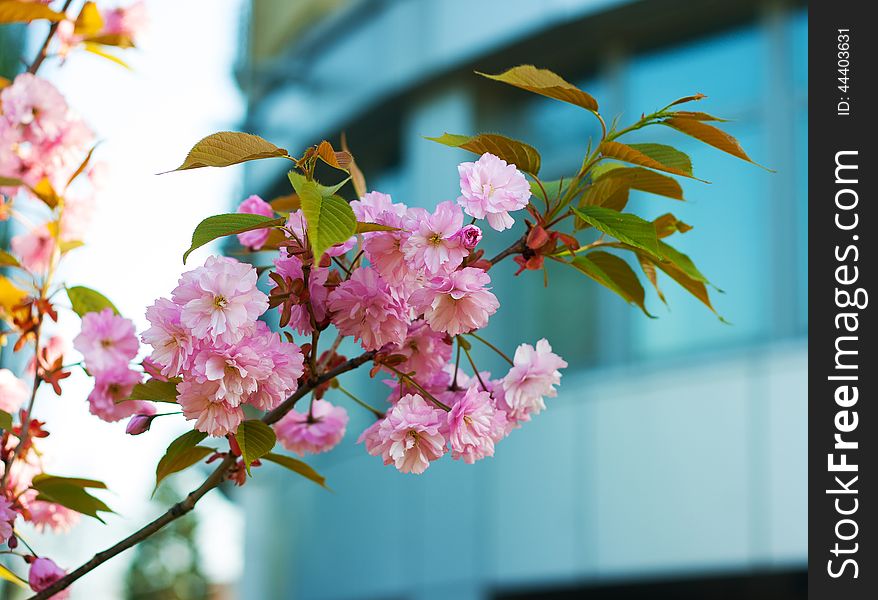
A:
[675,451]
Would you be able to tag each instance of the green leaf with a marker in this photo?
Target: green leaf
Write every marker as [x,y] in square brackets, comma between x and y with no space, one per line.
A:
[297,466]
[615,274]
[10,576]
[219,226]
[654,156]
[680,261]
[668,224]
[70,492]
[694,285]
[522,155]
[154,390]
[369,227]
[685,99]
[46,479]
[14,11]
[256,439]
[229,148]
[710,135]
[181,454]
[5,421]
[7,260]
[625,227]
[330,219]
[10,182]
[85,300]
[545,83]
[698,116]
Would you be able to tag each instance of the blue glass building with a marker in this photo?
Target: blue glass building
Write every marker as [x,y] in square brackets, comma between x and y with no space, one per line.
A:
[675,451]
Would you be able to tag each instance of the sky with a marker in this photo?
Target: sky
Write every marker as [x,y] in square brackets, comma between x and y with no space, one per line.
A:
[180,89]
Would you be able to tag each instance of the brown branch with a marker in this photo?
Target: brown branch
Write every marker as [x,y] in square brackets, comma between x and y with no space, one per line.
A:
[516,248]
[216,477]
[44,49]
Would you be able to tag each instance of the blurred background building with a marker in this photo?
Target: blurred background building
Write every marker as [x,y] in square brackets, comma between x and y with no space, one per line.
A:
[672,463]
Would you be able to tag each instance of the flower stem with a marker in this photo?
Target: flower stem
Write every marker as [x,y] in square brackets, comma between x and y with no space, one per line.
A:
[492,347]
[475,369]
[378,414]
[417,386]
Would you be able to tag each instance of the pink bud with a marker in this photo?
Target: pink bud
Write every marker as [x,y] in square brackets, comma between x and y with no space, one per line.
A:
[470,236]
[139,424]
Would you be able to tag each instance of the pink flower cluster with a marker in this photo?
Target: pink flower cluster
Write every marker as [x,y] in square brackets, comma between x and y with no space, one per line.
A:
[208,335]
[416,431]
[39,135]
[108,344]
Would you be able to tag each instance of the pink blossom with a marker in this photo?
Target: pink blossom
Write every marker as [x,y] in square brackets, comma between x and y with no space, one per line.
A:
[287,366]
[106,341]
[458,302]
[384,249]
[35,105]
[289,265]
[426,351]
[53,349]
[198,401]
[411,436]
[297,223]
[43,573]
[237,368]
[533,376]
[76,218]
[173,346]
[7,518]
[254,205]
[220,300]
[13,392]
[300,317]
[109,398]
[129,21]
[364,308]
[470,236]
[474,425]
[434,243]
[370,208]
[48,515]
[319,431]
[490,188]
[35,248]
[372,437]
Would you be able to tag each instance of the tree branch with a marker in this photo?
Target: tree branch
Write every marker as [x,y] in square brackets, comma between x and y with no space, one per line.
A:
[44,49]
[216,477]
[516,248]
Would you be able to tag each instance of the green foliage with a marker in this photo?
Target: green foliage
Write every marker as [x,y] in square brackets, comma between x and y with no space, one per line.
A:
[71,493]
[181,454]
[5,421]
[218,226]
[85,300]
[19,11]
[7,260]
[625,227]
[297,466]
[545,83]
[522,155]
[255,439]
[155,390]
[330,218]
[613,273]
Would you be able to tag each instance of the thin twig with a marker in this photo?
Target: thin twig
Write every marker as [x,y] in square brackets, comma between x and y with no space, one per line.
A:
[44,49]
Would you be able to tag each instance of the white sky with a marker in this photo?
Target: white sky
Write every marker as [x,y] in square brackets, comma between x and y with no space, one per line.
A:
[181,88]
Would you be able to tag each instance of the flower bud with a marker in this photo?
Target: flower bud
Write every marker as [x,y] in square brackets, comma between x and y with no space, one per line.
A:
[139,424]
[470,236]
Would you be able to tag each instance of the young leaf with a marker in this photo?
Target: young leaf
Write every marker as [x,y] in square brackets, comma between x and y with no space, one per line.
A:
[553,189]
[338,160]
[5,421]
[181,454]
[45,192]
[697,115]
[82,166]
[685,99]
[638,178]
[614,273]
[219,226]
[692,285]
[10,181]
[7,260]
[85,300]
[648,268]
[654,156]
[357,178]
[625,227]
[17,11]
[229,148]
[256,439]
[330,219]
[99,50]
[297,466]
[668,224]
[46,479]
[11,577]
[545,83]
[286,203]
[522,155]
[89,22]
[154,390]
[10,294]
[710,135]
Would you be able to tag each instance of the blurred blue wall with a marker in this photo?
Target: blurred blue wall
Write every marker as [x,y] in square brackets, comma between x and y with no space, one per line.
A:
[677,445]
